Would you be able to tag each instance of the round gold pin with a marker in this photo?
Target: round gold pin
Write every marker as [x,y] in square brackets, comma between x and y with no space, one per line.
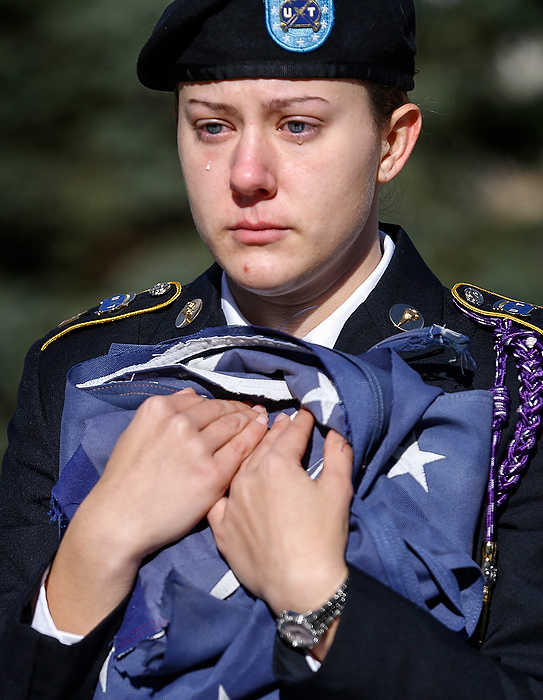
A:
[189,313]
[405,317]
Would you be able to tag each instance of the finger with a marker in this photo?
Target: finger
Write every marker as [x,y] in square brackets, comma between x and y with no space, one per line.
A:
[204,412]
[295,436]
[227,426]
[230,456]
[267,442]
[215,516]
[338,458]
[158,408]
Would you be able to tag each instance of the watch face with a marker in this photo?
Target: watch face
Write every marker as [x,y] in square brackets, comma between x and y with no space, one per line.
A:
[297,635]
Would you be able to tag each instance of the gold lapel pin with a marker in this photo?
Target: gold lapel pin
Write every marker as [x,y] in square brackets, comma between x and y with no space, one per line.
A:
[189,313]
[405,317]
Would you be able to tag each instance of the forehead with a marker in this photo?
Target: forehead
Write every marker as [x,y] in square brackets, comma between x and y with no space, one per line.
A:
[275,91]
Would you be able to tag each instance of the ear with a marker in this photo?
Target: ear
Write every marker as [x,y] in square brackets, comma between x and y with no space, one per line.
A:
[399,138]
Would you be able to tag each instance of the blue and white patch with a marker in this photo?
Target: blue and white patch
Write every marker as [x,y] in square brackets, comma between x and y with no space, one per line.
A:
[299,25]
[115,303]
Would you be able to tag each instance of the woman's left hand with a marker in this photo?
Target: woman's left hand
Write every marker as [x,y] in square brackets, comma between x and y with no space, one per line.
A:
[282,533]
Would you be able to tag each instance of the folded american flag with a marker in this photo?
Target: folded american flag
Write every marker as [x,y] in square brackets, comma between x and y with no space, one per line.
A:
[420,469]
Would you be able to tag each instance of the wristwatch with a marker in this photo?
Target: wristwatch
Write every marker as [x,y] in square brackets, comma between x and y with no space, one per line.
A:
[305,630]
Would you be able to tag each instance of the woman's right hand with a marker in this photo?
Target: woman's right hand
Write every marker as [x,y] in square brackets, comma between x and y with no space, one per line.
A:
[170,466]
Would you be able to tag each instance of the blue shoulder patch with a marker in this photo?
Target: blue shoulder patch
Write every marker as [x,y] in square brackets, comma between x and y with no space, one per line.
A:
[299,25]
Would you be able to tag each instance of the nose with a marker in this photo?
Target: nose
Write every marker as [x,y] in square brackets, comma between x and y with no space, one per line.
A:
[253,174]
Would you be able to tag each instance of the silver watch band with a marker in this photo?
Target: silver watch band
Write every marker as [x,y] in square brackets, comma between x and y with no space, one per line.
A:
[305,630]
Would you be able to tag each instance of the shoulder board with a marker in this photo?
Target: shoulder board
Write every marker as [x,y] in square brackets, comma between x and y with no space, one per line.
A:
[116,309]
[485,304]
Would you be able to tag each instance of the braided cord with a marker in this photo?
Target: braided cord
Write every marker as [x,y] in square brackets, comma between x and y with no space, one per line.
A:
[528,353]
[527,350]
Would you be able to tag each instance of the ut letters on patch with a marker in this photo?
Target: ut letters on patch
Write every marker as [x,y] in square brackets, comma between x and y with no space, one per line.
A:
[299,25]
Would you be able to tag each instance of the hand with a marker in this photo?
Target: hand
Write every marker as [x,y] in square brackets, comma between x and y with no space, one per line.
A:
[173,462]
[283,534]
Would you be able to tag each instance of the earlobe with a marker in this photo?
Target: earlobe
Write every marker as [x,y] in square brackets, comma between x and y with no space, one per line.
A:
[399,139]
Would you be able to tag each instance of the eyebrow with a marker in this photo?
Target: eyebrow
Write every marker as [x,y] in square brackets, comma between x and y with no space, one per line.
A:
[274,105]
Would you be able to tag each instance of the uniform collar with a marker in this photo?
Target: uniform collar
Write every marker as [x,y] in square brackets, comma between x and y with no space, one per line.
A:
[407,280]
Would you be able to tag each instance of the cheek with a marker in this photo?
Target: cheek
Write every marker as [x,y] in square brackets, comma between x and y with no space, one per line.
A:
[200,177]
[342,182]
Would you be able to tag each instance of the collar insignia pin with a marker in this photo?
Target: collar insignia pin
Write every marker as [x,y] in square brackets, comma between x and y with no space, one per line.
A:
[406,318]
[189,313]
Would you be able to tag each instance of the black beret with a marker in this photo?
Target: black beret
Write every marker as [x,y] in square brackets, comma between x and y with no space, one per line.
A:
[199,40]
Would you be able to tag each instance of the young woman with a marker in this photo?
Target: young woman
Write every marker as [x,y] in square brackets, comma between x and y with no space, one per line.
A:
[291,117]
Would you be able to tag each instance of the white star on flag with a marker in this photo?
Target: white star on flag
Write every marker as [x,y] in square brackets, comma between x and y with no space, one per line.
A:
[412,461]
[223,695]
[325,394]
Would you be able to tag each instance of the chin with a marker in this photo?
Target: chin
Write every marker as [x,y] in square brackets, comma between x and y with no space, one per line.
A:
[267,278]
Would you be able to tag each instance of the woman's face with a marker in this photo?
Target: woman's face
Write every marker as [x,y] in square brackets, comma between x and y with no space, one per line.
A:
[281,177]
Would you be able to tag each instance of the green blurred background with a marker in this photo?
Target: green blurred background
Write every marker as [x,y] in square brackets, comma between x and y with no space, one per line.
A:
[92,201]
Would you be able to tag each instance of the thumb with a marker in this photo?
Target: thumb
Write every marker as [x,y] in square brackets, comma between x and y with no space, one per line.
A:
[338,459]
[215,516]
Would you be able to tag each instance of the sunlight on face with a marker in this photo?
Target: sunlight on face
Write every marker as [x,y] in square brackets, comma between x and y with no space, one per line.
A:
[281,177]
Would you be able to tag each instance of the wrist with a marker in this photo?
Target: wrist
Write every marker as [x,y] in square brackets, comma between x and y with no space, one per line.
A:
[89,577]
[307,590]
[105,529]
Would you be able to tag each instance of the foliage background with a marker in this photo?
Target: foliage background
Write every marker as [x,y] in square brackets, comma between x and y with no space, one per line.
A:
[91,198]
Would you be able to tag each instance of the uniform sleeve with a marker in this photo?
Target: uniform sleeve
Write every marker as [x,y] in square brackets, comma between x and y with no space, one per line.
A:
[34,665]
[29,470]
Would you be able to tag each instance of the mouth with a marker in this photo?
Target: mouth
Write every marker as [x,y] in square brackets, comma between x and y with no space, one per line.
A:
[259,233]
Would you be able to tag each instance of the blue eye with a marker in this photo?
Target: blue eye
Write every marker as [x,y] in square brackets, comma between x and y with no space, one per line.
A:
[213,129]
[296,127]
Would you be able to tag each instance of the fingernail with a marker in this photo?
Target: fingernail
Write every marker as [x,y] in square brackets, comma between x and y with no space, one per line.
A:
[280,417]
[259,409]
[262,419]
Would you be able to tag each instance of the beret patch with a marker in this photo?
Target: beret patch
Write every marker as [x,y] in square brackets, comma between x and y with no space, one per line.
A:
[299,25]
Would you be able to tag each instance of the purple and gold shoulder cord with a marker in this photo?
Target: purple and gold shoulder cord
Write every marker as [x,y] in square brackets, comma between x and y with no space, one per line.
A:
[526,347]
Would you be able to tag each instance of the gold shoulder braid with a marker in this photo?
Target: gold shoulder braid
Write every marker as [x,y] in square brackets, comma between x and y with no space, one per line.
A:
[113,309]
[518,332]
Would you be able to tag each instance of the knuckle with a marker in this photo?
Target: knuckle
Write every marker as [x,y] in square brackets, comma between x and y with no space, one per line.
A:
[236,421]
[180,423]
[153,407]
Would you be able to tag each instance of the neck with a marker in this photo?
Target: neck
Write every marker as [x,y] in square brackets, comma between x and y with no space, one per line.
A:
[300,311]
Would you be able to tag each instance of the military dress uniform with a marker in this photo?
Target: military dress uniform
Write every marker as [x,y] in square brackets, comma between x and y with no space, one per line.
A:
[385,646]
